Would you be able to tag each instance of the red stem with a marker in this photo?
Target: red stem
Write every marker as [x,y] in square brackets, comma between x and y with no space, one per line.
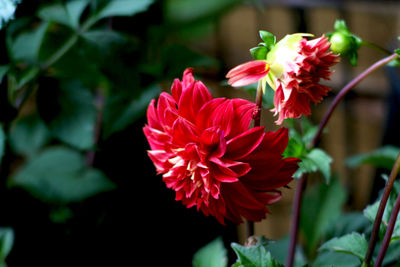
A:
[257,122]
[296,216]
[388,234]
[381,209]
[301,184]
[345,90]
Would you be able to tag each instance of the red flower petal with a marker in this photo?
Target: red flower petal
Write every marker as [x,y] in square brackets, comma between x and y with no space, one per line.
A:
[245,143]
[248,73]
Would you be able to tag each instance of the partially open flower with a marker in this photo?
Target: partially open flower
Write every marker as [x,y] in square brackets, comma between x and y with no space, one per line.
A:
[296,78]
[295,67]
[206,152]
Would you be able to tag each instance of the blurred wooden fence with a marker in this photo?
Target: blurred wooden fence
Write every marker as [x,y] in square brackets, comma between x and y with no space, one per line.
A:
[357,125]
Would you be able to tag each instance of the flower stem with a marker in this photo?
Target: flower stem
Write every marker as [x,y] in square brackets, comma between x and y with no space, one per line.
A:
[294,228]
[345,90]
[257,110]
[389,232]
[381,209]
[376,47]
[314,142]
[257,122]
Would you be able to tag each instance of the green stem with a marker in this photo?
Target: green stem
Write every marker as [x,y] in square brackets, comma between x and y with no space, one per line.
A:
[61,51]
[70,42]
[376,47]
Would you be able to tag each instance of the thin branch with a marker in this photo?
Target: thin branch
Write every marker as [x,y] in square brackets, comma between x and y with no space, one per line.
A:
[345,90]
[381,209]
[294,228]
[257,122]
[388,234]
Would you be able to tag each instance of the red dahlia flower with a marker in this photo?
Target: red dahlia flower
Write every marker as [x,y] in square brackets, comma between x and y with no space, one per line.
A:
[206,152]
[296,66]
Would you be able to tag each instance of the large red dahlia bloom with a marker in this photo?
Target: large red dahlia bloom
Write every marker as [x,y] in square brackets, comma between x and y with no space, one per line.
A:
[206,152]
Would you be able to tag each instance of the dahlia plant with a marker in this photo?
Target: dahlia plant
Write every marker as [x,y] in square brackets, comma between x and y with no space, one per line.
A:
[216,157]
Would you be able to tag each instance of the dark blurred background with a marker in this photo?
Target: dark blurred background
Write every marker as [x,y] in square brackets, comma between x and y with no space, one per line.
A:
[80,84]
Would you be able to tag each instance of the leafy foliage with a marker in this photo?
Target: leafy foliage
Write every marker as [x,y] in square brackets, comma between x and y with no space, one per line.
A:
[312,160]
[6,243]
[383,157]
[260,52]
[59,175]
[253,256]
[321,204]
[213,254]
[76,75]
[354,244]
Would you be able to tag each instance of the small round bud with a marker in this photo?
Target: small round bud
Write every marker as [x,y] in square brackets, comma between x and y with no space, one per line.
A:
[341,43]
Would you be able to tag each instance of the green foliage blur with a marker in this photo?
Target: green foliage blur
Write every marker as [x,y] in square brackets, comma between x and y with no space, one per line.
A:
[73,75]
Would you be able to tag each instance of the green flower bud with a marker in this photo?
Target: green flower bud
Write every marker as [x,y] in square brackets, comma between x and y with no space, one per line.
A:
[341,43]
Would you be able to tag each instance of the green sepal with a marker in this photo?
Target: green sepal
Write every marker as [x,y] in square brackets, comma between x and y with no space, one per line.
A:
[259,52]
[268,38]
[353,57]
[341,26]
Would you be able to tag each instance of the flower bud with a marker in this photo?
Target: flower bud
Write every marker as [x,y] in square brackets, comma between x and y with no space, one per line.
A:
[341,43]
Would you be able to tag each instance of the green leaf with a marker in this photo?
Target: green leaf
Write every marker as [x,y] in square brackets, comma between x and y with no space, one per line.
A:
[268,38]
[74,120]
[335,259]
[3,72]
[348,223]
[254,256]
[315,160]
[259,52]
[354,244]
[28,134]
[177,11]
[2,143]
[104,39]
[26,45]
[60,175]
[279,249]
[213,254]
[7,10]
[321,205]
[67,13]
[61,214]
[6,242]
[116,119]
[123,8]
[383,157]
